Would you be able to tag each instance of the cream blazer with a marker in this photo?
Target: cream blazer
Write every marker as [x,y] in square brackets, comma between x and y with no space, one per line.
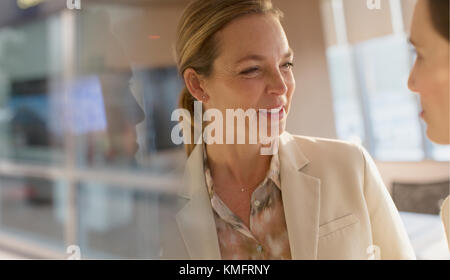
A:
[445,215]
[335,203]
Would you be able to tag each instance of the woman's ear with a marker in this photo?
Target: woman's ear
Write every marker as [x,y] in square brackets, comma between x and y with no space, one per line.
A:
[195,86]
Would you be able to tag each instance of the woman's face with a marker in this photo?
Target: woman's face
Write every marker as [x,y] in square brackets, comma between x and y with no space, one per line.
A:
[253,70]
[430,74]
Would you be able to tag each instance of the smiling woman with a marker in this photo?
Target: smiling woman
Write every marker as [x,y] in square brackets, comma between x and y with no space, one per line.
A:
[241,65]
[313,198]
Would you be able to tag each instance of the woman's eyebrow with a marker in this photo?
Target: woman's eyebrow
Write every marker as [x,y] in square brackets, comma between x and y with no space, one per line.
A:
[261,57]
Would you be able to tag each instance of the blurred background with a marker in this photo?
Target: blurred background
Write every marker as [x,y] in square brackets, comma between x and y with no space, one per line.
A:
[86,95]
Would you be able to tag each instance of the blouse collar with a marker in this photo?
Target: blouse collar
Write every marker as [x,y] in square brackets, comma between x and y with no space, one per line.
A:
[273,173]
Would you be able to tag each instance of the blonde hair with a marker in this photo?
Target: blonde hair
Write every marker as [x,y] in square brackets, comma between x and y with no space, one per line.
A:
[196,46]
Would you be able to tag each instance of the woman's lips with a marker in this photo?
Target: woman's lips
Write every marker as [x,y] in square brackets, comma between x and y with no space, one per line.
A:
[280,111]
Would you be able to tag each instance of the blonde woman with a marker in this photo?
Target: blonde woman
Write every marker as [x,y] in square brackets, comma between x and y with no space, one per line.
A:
[430,74]
[314,198]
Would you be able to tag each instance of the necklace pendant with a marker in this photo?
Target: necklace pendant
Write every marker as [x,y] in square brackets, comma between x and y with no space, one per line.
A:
[243,189]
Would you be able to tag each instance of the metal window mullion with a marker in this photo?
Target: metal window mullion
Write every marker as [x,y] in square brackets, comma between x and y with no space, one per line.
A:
[29,249]
[68,33]
[164,184]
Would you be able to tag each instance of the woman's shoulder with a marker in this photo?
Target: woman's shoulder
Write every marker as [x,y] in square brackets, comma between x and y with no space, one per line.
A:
[327,151]
[322,141]
[324,145]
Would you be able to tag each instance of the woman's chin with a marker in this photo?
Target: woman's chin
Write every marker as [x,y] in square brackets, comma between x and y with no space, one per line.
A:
[438,136]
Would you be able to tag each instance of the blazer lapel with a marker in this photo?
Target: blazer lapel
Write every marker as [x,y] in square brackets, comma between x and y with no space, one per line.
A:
[301,200]
[195,220]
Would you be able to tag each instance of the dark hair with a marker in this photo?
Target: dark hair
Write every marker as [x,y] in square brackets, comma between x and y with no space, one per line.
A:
[439,10]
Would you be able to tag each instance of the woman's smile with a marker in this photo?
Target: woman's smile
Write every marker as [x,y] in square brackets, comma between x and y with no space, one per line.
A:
[279,111]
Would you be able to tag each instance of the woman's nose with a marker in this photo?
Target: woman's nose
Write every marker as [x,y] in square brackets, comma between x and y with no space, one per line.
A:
[411,81]
[278,84]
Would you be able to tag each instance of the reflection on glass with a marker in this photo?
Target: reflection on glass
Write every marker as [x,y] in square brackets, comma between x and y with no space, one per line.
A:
[137,100]
[34,209]
[73,102]
[29,66]
[160,88]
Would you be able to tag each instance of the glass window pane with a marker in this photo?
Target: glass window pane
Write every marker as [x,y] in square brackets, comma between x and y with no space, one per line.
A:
[34,209]
[347,109]
[383,66]
[119,108]
[30,65]
[81,94]
[117,222]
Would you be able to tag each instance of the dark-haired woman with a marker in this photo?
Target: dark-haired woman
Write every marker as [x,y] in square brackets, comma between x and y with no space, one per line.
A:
[430,74]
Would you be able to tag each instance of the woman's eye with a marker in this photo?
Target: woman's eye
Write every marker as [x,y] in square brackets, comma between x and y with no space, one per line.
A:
[254,69]
[248,71]
[289,64]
